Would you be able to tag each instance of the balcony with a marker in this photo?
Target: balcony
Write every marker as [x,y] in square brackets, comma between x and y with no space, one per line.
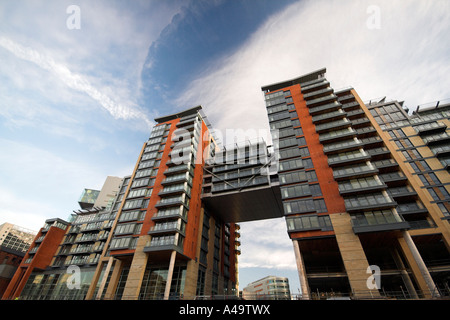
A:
[435,139]
[339,124]
[325,108]
[402,192]
[378,153]
[174,189]
[165,243]
[320,101]
[171,202]
[351,105]
[378,221]
[354,172]
[314,86]
[373,201]
[411,208]
[360,122]
[317,93]
[431,128]
[327,117]
[346,158]
[337,135]
[346,145]
[175,179]
[184,160]
[185,122]
[393,177]
[177,169]
[170,214]
[165,228]
[363,185]
[355,113]
[346,98]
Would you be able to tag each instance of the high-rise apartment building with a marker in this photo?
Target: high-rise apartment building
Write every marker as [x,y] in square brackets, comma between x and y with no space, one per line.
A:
[365,188]
[154,240]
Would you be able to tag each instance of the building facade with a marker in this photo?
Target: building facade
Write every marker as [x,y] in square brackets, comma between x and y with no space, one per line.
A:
[268,288]
[14,243]
[365,190]
[150,239]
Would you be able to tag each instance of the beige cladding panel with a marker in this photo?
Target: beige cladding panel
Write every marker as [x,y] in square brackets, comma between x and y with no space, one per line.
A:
[352,254]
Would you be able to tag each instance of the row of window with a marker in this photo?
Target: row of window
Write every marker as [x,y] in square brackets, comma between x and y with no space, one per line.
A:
[301,206]
[310,222]
[301,190]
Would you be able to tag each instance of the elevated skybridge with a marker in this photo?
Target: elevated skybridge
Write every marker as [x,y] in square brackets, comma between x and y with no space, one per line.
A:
[241,184]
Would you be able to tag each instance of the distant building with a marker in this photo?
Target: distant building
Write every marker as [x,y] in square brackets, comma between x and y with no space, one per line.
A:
[14,243]
[101,198]
[268,288]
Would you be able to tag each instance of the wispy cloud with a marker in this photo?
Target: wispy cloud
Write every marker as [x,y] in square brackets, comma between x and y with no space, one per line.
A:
[402,59]
[265,244]
[73,80]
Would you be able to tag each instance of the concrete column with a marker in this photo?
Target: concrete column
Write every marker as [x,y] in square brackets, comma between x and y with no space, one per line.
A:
[113,281]
[301,271]
[137,270]
[421,265]
[169,275]
[105,277]
[405,276]
[353,256]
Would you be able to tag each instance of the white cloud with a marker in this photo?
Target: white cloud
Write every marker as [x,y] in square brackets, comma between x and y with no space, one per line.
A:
[403,59]
[36,181]
[266,244]
[72,80]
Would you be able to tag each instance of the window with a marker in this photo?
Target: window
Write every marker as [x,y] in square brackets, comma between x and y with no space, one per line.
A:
[439,193]
[140,183]
[429,179]
[289,142]
[299,206]
[281,124]
[289,153]
[128,228]
[291,164]
[309,222]
[359,183]
[411,154]
[291,177]
[295,191]
[139,193]
[120,243]
[131,215]
[307,163]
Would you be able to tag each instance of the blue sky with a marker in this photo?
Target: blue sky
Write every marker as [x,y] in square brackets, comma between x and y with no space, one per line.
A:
[76,105]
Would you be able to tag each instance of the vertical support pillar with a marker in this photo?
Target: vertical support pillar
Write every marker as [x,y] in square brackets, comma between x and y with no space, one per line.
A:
[105,277]
[433,292]
[301,271]
[405,276]
[137,270]
[113,281]
[169,275]
[353,256]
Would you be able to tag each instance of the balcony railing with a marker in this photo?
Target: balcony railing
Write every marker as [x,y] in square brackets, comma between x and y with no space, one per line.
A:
[372,201]
[376,221]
